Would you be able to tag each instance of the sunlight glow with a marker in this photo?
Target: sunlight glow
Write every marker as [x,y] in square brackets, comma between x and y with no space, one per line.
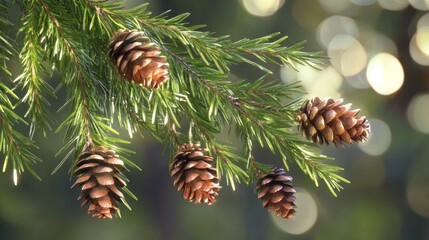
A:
[333,26]
[393,5]
[347,55]
[306,217]
[379,139]
[422,40]
[262,8]
[422,5]
[325,83]
[418,113]
[15,177]
[335,5]
[416,52]
[385,74]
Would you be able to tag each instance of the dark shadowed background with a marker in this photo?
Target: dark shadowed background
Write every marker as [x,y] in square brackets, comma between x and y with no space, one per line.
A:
[379,58]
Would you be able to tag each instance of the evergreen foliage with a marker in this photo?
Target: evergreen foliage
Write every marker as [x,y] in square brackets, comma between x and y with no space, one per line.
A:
[70,38]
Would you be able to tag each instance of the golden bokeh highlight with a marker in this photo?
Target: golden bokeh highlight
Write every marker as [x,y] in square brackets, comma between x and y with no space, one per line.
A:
[322,83]
[362,2]
[418,113]
[335,25]
[306,217]
[393,5]
[358,81]
[423,21]
[422,40]
[347,55]
[422,5]
[379,43]
[335,6]
[262,8]
[379,138]
[385,74]
[417,54]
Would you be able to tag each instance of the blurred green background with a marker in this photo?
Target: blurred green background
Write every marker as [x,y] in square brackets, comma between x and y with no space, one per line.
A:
[379,58]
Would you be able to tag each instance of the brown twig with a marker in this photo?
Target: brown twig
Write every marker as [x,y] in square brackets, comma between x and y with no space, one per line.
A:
[175,135]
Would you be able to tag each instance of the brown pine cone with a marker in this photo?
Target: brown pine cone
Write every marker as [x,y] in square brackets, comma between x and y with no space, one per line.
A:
[98,175]
[193,172]
[137,59]
[275,190]
[325,121]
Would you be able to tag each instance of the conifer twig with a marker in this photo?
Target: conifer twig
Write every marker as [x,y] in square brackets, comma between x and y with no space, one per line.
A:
[79,74]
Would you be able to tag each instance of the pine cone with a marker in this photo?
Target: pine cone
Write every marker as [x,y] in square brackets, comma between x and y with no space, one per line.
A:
[276,192]
[137,59]
[98,174]
[324,121]
[193,172]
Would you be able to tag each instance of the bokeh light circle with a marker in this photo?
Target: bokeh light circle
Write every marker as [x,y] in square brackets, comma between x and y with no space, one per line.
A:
[394,5]
[262,8]
[363,2]
[347,55]
[324,83]
[380,43]
[334,5]
[423,21]
[422,40]
[306,217]
[418,113]
[417,188]
[379,138]
[416,53]
[385,74]
[333,26]
[358,81]
[420,4]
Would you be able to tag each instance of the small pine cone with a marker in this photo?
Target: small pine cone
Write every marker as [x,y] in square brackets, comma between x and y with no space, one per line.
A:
[98,174]
[275,190]
[325,121]
[137,59]
[193,172]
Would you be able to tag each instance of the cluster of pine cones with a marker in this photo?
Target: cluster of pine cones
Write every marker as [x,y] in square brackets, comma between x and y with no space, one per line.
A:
[98,169]
[98,172]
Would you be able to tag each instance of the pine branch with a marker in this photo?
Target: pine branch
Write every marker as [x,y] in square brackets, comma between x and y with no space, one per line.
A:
[217,51]
[226,159]
[32,57]
[5,46]
[88,124]
[199,63]
[81,98]
[15,146]
[283,145]
[73,37]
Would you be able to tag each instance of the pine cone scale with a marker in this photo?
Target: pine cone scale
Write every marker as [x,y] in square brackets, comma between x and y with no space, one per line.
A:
[105,179]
